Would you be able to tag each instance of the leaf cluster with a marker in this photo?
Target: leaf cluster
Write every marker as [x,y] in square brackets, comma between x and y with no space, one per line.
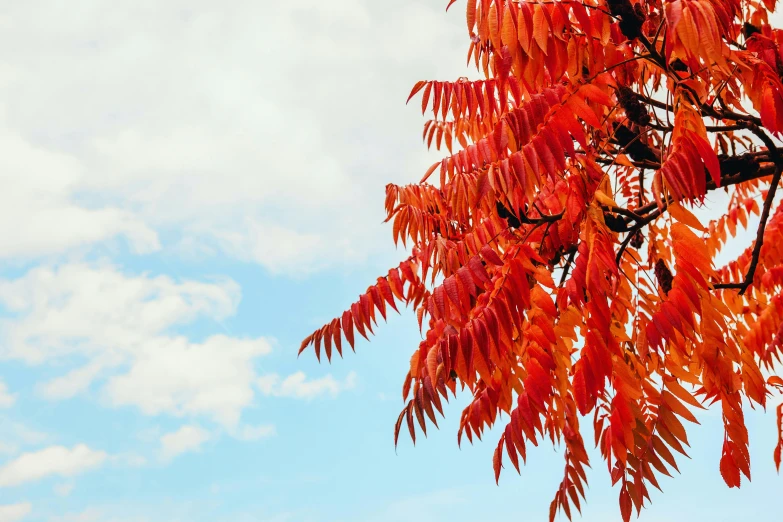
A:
[557,270]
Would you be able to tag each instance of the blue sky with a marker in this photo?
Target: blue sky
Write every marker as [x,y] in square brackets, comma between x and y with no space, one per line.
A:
[188,191]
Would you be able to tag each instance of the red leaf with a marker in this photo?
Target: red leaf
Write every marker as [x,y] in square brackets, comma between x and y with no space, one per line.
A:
[728,469]
[396,283]
[580,389]
[348,328]
[430,171]
[497,459]
[305,343]
[426,97]
[358,320]
[317,344]
[378,301]
[327,336]
[450,285]
[708,156]
[510,449]
[491,256]
[775,381]
[398,425]
[625,504]
[386,292]
[477,271]
[409,419]
[416,88]
[337,336]
[439,296]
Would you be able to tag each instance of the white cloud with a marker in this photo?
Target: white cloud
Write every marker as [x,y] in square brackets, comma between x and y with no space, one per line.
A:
[252,433]
[278,248]
[14,435]
[27,435]
[130,460]
[184,440]
[7,399]
[39,185]
[120,324]
[298,386]
[173,375]
[94,309]
[64,489]
[72,383]
[14,512]
[54,460]
[182,130]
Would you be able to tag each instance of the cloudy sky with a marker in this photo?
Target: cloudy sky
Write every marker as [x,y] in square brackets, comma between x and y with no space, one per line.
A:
[187,191]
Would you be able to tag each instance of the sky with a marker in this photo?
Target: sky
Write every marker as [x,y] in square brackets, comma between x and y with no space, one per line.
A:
[188,190]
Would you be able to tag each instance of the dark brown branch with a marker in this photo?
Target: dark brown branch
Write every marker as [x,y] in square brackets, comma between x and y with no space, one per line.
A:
[543,237]
[515,222]
[645,164]
[725,128]
[729,286]
[545,219]
[567,266]
[725,181]
[623,212]
[754,259]
[643,223]
[650,212]
[709,128]
[744,119]
[656,103]
[707,110]
[659,127]
[752,171]
[737,45]
[771,147]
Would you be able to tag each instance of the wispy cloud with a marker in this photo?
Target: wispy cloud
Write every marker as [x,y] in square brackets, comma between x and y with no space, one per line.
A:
[64,489]
[298,386]
[15,435]
[14,512]
[120,324]
[184,440]
[7,399]
[253,433]
[54,460]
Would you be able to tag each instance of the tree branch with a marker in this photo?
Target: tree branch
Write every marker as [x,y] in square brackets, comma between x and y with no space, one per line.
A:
[567,266]
[643,223]
[643,216]
[544,219]
[623,212]
[754,259]
[725,181]
[707,110]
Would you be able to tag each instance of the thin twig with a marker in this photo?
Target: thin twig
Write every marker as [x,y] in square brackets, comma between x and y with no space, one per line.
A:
[624,212]
[567,266]
[643,223]
[754,259]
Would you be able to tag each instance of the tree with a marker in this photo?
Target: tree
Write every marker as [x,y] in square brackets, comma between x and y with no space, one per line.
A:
[555,260]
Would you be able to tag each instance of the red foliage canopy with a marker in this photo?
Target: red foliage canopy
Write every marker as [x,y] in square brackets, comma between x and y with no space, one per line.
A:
[572,277]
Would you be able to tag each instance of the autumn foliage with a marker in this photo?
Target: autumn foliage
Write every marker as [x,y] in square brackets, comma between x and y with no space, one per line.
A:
[557,269]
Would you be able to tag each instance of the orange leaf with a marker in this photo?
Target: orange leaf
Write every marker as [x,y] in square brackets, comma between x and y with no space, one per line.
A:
[685,216]
[729,470]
